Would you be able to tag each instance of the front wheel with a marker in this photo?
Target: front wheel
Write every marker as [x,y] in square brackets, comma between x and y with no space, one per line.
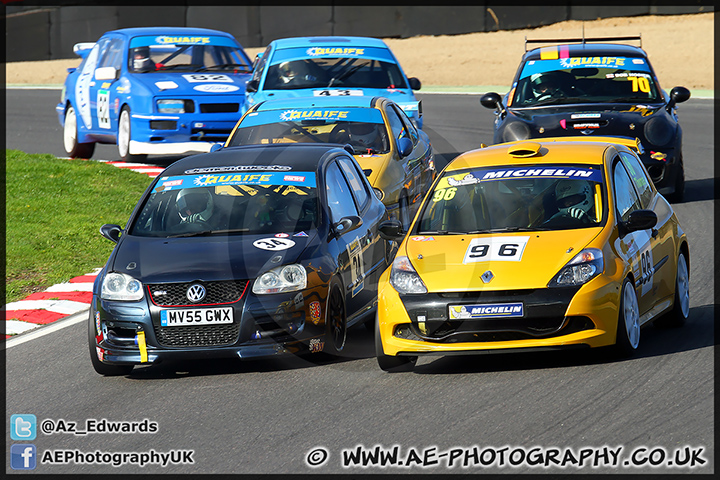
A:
[123,138]
[628,328]
[679,194]
[100,367]
[70,138]
[388,363]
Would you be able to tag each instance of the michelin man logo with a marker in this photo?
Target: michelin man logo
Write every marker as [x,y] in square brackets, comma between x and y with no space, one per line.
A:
[468,179]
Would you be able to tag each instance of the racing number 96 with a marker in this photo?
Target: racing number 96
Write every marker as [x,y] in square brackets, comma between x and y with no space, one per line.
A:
[444,194]
[504,250]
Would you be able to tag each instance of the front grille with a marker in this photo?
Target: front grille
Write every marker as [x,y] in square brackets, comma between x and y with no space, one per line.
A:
[657,172]
[219,107]
[198,336]
[210,134]
[175,294]
[163,124]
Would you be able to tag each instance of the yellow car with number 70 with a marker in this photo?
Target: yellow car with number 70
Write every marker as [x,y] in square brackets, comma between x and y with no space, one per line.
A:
[549,244]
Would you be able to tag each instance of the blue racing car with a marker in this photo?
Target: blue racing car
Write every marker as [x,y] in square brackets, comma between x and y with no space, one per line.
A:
[331,66]
[159,90]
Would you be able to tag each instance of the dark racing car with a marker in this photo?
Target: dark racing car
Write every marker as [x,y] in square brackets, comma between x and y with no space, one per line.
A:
[246,252]
[591,88]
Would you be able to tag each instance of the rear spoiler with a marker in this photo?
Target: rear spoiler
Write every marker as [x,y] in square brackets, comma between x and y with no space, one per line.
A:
[583,40]
[82,49]
[631,143]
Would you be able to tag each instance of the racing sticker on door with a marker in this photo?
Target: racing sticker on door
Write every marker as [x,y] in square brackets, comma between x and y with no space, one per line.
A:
[207,77]
[82,87]
[103,108]
[640,249]
[503,249]
[357,268]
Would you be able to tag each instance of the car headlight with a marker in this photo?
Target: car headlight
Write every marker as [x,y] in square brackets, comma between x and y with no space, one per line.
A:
[378,193]
[515,131]
[404,278]
[659,131]
[171,105]
[118,286]
[581,269]
[288,278]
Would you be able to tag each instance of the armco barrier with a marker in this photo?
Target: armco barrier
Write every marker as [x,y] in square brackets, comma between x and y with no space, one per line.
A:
[49,32]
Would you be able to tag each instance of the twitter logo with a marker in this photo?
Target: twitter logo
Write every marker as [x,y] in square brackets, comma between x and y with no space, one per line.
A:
[23,427]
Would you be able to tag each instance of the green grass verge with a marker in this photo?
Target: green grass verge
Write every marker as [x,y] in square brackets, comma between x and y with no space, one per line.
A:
[54,209]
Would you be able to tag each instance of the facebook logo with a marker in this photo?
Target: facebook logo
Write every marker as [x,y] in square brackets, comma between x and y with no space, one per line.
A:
[22,457]
[23,427]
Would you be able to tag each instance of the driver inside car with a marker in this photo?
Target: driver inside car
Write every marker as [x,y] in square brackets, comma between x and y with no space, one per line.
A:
[195,205]
[574,199]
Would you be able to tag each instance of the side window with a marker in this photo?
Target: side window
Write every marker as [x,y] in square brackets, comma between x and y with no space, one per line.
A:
[396,125]
[626,200]
[409,127]
[103,50]
[355,180]
[639,178]
[260,66]
[112,56]
[340,200]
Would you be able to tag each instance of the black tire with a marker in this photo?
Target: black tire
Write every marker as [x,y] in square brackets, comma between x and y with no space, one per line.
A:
[390,363]
[124,136]
[681,303]
[628,325]
[679,194]
[70,137]
[100,367]
[335,320]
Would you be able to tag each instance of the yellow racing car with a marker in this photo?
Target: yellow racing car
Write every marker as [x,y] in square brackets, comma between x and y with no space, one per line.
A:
[542,244]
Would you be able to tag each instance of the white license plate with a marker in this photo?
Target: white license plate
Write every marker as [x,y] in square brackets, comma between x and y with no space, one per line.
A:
[199,316]
[337,93]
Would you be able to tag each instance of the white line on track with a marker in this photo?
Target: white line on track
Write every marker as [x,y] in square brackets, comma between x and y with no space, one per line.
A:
[46,330]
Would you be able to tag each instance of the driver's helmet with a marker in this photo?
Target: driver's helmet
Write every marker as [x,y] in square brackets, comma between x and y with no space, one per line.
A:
[545,84]
[195,204]
[141,60]
[572,194]
[363,134]
[287,73]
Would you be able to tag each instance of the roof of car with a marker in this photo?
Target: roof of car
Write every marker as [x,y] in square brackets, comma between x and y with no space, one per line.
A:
[319,102]
[138,31]
[296,156]
[563,150]
[591,50]
[295,42]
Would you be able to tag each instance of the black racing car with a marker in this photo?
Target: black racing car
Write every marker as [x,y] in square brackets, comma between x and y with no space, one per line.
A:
[591,88]
[246,252]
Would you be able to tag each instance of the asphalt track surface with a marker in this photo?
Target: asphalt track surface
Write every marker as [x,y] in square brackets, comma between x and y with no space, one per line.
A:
[270,416]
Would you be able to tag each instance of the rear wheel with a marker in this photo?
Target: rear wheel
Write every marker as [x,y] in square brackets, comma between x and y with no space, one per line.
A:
[123,138]
[628,328]
[389,363]
[100,367]
[335,320]
[70,137]
[681,305]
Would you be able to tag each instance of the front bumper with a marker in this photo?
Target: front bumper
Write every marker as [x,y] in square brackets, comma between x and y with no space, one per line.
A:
[264,326]
[551,319]
[664,173]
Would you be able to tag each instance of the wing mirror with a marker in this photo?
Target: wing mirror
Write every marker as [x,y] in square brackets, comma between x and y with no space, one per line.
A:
[414,83]
[391,230]
[215,147]
[639,220]
[252,86]
[106,73]
[492,100]
[111,232]
[347,224]
[405,147]
[677,95]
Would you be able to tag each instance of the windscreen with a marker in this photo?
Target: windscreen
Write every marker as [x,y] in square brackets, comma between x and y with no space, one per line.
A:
[585,80]
[230,203]
[362,128]
[519,198]
[186,54]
